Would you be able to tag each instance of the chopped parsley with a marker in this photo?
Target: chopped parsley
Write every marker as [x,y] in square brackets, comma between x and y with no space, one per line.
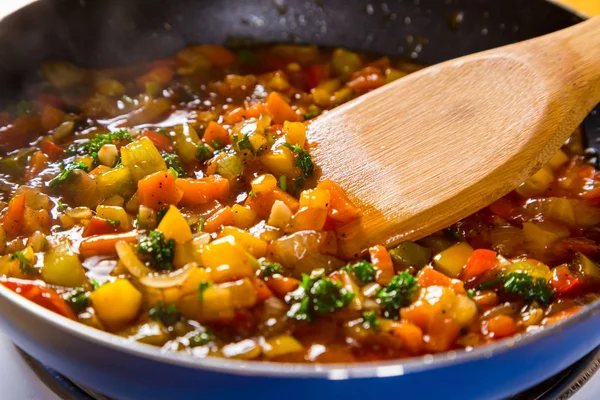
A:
[397,294]
[243,143]
[25,265]
[66,172]
[283,183]
[78,300]
[96,284]
[60,205]
[174,164]
[167,314]
[201,339]
[270,268]
[216,144]
[113,222]
[303,160]
[157,251]
[363,270]
[317,296]
[203,153]
[92,146]
[202,288]
[530,288]
[160,214]
[370,320]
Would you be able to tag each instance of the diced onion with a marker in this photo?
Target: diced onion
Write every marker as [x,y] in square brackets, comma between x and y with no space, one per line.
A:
[164,281]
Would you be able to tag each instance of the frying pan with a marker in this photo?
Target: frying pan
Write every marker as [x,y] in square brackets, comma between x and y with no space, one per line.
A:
[109,32]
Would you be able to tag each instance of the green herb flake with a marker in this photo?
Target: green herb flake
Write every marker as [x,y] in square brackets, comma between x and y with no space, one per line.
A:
[268,268]
[201,339]
[167,314]
[397,294]
[174,165]
[78,299]
[66,173]
[157,251]
[317,296]
[283,183]
[363,270]
[25,265]
[92,146]
[113,222]
[202,288]
[303,160]
[370,320]
[530,288]
[203,153]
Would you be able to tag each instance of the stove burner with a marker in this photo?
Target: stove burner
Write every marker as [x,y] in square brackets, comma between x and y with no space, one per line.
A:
[562,386]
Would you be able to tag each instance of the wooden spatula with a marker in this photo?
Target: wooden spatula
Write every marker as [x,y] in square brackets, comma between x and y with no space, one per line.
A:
[427,150]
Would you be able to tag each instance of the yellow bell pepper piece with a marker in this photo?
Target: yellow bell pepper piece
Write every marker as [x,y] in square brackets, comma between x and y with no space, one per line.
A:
[174,226]
[250,243]
[243,217]
[116,303]
[226,260]
[452,260]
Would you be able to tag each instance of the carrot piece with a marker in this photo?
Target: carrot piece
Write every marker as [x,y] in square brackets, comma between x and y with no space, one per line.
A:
[37,163]
[51,117]
[99,169]
[410,335]
[430,277]
[499,326]
[563,281]
[38,293]
[158,190]
[480,262]
[341,209]
[442,333]
[14,214]
[51,149]
[282,285]
[564,314]
[280,110]
[223,217]
[256,110]
[99,226]
[104,245]
[161,142]
[201,191]
[382,260]
[262,203]
[218,56]
[161,74]
[215,132]
[234,116]
[262,290]
[502,208]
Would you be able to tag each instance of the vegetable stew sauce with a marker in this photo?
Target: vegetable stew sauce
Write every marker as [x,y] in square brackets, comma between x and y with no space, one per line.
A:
[177,204]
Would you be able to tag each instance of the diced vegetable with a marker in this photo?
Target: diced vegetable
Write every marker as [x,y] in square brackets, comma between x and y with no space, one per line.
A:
[201,191]
[116,303]
[251,244]
[185,142]
[409,254]
[452,260]
[226,260]
[142,158]
[480,262]
[117,215]
[174,226]
[281,345]
[62,267]
[159,190]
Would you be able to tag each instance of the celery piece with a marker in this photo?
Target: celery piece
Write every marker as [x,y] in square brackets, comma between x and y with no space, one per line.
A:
[185,141]
[409,254]
[142,158]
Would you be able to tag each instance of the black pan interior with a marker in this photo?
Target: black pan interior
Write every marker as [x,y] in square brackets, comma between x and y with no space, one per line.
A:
[114,32]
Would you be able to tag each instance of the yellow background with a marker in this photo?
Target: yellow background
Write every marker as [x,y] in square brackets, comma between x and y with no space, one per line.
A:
[591,7]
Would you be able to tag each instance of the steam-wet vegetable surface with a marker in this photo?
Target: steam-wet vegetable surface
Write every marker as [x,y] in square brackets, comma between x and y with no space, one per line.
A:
[177,204]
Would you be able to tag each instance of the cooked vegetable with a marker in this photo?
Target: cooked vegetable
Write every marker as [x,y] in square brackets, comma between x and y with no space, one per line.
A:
[317,296]
[204,224]
[397,294]
[157,251]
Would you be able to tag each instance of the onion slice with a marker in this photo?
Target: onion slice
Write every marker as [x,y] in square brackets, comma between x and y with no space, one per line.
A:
[164,281]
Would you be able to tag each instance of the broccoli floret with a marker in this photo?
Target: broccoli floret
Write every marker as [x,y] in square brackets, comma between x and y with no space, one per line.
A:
[167,314]
[530,288]
[270,268]
[363,270]
[303,160]
[174,164]
[66,172]
[397,294]
[78,300]
[157,251]
[317,296]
